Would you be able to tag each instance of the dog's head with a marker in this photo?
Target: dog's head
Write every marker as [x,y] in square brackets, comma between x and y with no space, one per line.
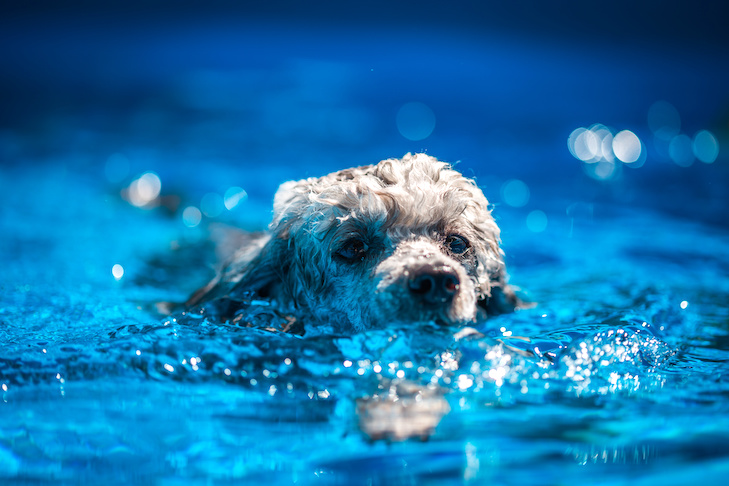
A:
[407,239]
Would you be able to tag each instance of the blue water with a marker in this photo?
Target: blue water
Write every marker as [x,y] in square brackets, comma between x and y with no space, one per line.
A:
[619,374]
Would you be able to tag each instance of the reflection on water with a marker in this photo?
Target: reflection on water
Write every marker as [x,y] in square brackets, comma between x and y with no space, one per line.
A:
[592,454]
[401,410]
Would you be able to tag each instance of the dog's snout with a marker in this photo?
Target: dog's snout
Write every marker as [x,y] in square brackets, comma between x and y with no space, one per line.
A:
[434,285]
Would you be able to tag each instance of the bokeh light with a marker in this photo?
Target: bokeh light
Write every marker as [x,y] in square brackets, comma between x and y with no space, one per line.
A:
[117,271]
[626,146]
[705,146]
[515,193]
[415,121]
[664,120]
[212,205]
[681,150]
[583,144]
[144,190]
[191,216]
[602,170]
[234,196]
[605,136]
[537,221]
[598,148]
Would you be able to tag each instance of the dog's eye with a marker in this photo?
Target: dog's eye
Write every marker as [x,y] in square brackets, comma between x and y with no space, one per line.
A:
[457,244]
[353,250]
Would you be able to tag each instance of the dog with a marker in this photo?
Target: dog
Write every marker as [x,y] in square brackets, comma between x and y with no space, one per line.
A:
[407,240]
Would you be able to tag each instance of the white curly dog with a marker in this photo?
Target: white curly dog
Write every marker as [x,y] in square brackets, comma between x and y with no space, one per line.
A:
[406,240]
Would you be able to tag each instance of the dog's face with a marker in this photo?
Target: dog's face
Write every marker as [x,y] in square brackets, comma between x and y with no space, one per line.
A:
[406,240]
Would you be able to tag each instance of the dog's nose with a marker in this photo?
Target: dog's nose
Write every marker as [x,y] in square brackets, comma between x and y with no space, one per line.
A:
[435,285]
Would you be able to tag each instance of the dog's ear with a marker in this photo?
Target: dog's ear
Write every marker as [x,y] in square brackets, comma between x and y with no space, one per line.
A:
[261,261]
[502,298]
[279,267]
[501,301]
[285,196]
[249,268]
[290,204]
[264,273]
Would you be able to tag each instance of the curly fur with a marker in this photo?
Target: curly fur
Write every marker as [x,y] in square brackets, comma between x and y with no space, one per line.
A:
[402,211]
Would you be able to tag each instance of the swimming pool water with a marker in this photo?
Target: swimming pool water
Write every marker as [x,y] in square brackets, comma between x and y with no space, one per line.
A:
[115,172]
[623,375]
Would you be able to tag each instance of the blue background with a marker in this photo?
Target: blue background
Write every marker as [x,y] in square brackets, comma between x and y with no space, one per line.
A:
[280,90]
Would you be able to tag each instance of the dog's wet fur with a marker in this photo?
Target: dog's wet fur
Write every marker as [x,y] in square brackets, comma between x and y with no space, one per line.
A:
[408,240]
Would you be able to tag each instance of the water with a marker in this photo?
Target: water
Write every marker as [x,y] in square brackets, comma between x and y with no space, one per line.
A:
[623,375]
[617,375]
